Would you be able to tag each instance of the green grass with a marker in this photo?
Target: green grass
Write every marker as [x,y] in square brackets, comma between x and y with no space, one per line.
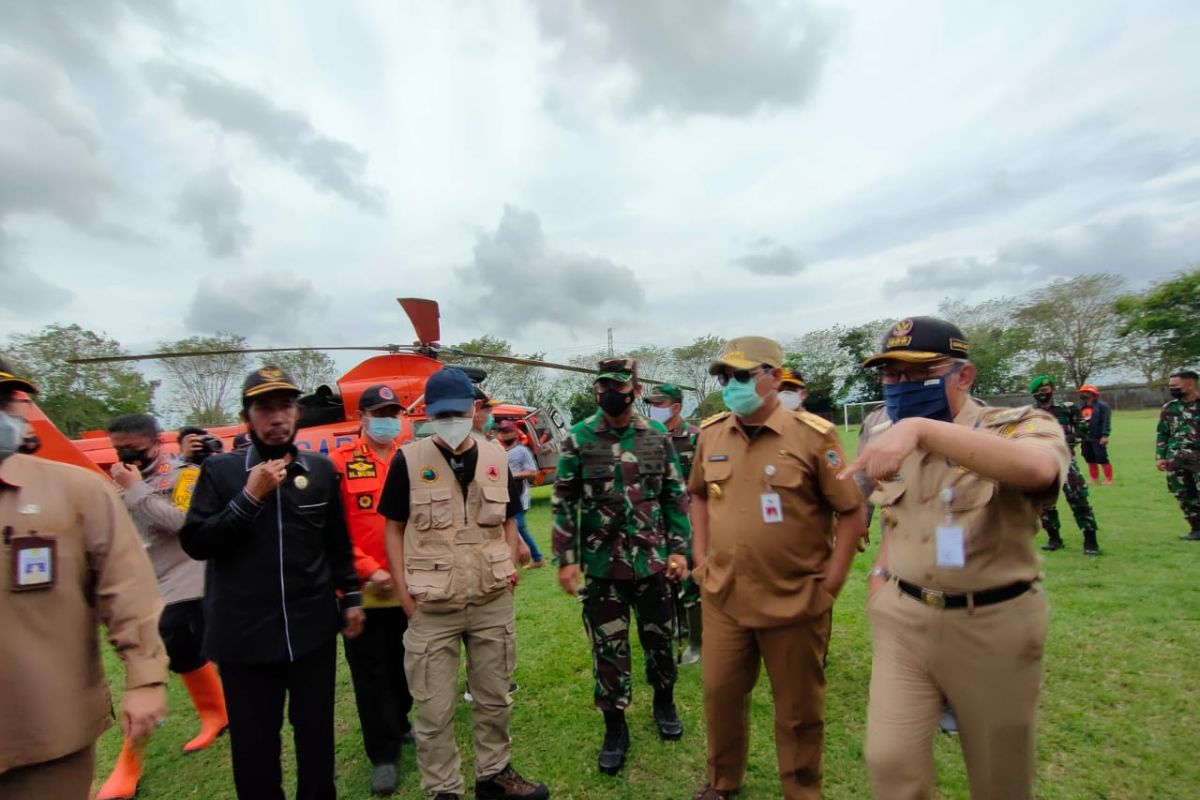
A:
[1120,717]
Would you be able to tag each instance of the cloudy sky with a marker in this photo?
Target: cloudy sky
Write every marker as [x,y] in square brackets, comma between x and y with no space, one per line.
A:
[547,169]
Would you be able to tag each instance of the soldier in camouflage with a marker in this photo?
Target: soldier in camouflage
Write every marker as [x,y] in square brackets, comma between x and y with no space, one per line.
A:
[666,406]
[620,514]
[1177,449]
[1075,489]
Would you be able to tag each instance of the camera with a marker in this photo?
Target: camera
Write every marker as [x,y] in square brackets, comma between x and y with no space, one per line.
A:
[209,445]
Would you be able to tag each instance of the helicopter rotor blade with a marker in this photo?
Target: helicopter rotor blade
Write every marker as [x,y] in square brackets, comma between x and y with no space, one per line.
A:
[424,316]
[533,362]
[387,348]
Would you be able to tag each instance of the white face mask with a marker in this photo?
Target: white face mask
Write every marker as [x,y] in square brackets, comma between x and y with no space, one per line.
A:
[453,430]
[661,414]
[790,400]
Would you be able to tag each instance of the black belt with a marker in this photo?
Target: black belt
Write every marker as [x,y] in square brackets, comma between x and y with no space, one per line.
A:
[932,597]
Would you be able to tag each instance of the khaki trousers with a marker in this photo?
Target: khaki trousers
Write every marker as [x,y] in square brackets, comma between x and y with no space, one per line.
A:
[66,778]
[794,656]
[432,646]
[987,662]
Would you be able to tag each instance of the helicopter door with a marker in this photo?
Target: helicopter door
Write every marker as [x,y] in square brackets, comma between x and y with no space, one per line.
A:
[546,429]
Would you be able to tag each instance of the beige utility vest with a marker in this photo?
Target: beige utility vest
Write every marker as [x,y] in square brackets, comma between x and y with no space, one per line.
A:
[454,549]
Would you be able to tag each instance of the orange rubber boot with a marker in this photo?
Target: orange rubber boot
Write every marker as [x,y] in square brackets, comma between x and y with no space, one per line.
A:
[122,783]
[204,685]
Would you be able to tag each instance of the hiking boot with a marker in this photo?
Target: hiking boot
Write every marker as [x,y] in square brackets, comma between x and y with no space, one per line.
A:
[1090,547]
[1191,536]
[508,783]
[383,780]
[616,743]
[670,727]
[1052,545]
[707,792]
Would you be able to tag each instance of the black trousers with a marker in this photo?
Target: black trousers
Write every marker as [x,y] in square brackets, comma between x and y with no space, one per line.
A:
[376,660]
[1094,452]
[181,627]
[254,696]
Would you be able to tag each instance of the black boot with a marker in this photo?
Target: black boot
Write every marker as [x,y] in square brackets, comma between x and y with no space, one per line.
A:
[1192,536]
[1090,546]
[616,743]
[1055,543]
[670,727]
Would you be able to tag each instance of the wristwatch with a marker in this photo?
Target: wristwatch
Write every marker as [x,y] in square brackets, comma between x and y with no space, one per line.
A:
[879,572]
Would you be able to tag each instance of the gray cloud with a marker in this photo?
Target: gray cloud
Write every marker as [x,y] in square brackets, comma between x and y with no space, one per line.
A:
[21,291]
[570,289]
[330,165]
[769,257]
[264,304]
[213,203]
[686,57]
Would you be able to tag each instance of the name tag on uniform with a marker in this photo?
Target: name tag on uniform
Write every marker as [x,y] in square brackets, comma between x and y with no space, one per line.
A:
[951,547]
[772,507]
[33,563]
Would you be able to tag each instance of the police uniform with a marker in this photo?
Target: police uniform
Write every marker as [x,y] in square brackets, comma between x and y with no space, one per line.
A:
[72,557]
[772,494]
[1075,489]
[375,657]
[969,624]
[620,511]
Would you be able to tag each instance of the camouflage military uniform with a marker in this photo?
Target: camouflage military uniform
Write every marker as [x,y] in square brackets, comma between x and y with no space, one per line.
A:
[620,509]
[1178,443]
[1075,489]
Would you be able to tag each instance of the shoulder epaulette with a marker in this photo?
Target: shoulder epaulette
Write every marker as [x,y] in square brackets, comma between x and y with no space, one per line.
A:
[714,418]
[1002,416]
[820,424]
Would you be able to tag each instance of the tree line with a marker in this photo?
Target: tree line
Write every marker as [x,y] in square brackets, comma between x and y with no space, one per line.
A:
[1072,328]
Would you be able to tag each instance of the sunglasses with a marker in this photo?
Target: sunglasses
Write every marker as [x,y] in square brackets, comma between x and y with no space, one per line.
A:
[739,375]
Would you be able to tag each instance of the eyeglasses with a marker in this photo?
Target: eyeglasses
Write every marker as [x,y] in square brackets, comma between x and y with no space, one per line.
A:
[739,375]
[891,376]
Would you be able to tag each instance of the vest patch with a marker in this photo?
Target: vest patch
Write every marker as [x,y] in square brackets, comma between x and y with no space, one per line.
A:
[360,468]
[429,474]
[366,501]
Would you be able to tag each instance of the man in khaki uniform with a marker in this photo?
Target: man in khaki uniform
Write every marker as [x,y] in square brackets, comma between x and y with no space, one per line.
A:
[954,606]
[774,533]
[71,556]
[452,542]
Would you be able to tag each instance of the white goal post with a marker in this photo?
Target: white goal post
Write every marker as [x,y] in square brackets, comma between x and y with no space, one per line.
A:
[867,407]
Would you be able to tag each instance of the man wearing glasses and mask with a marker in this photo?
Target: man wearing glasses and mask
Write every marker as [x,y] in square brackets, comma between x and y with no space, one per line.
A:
[774,533]
[953,602]
[620,519]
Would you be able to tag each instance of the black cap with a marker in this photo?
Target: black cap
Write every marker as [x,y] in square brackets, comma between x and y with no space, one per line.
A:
[378,396]
[267,379]
[10,382]
[921,340]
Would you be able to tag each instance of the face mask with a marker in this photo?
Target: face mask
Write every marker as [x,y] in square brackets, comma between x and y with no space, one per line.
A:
[489,423]
[662,415]
[926,399]
[133,456]
[508,443]
[1176,392]
[11,429]
[1086,399]
[30,444]
[1044,398]
[383,429]
[271,451]
[452,430]
[741,398]
[614,403]
[790,400]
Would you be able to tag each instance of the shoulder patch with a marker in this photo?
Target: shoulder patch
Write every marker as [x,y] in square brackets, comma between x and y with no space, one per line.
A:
[820,424]
[714,419]
[995,417]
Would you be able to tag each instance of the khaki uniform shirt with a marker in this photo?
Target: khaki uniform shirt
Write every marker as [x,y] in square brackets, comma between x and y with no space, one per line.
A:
[54,699]
[158,505]
[762,573]
[999,522]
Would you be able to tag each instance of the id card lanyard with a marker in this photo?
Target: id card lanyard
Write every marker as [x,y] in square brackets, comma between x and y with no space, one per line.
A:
[772,504]
[951,542]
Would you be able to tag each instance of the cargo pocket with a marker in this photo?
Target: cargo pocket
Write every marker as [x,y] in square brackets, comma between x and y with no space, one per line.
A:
[441,507]
[428,578]
[416,666]
[492,503]
[499,570]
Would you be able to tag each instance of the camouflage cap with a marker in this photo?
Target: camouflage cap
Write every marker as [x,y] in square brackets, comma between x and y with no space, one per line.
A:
[790,376]
[921,340]
[1039,382]
[622,370]
[267,379]
[665,393]
[748,352]
[9,381]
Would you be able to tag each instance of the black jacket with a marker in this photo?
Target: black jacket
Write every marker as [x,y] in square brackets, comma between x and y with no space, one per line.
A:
[273,567]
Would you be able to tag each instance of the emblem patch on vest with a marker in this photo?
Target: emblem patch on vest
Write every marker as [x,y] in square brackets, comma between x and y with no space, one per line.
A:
[429,474]
[492,472]
[360,469]
[365,501]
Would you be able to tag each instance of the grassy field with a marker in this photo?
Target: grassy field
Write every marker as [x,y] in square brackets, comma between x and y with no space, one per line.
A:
[1120,714]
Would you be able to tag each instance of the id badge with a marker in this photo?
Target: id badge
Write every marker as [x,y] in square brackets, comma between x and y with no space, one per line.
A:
[772,507]
[34,563]
[951,547]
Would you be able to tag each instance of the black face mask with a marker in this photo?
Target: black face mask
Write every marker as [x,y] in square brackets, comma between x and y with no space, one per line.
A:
[30,444]
[1176,392]
[270,451]
[614,403]
[1044,399]
[133,456]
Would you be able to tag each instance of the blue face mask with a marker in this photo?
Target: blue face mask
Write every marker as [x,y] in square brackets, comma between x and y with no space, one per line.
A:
[383,429]
[919,399]
[741,398]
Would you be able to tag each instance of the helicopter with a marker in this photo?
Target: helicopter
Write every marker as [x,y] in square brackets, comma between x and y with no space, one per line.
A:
[329,415]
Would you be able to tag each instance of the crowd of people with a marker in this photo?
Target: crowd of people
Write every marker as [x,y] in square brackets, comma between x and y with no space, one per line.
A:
[239,570]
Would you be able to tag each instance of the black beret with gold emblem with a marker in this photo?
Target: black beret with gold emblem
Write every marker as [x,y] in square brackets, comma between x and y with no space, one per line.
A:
[921,340]
[267,379]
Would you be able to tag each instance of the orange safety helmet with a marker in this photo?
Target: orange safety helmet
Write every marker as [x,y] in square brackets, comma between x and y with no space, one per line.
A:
[1089,388]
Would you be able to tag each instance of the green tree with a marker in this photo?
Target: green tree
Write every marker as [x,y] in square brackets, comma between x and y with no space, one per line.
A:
[1168,314]
[820,357]
[79,397]
[207,387]
[308,368]
[691,363]
[1074,321]
[860,342]
[998,347]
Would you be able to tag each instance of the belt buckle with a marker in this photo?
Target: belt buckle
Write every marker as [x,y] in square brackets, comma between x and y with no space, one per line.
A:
[933,597]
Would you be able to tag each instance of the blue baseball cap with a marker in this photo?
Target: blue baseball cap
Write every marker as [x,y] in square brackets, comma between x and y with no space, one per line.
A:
[449,389]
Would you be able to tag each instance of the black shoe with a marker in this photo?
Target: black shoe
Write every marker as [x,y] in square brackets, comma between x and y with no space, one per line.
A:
[1052,545]
[670,727]
[1191,536]
[447,796]
[383,780]
[508,783]
[616,743]
[1091,549]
